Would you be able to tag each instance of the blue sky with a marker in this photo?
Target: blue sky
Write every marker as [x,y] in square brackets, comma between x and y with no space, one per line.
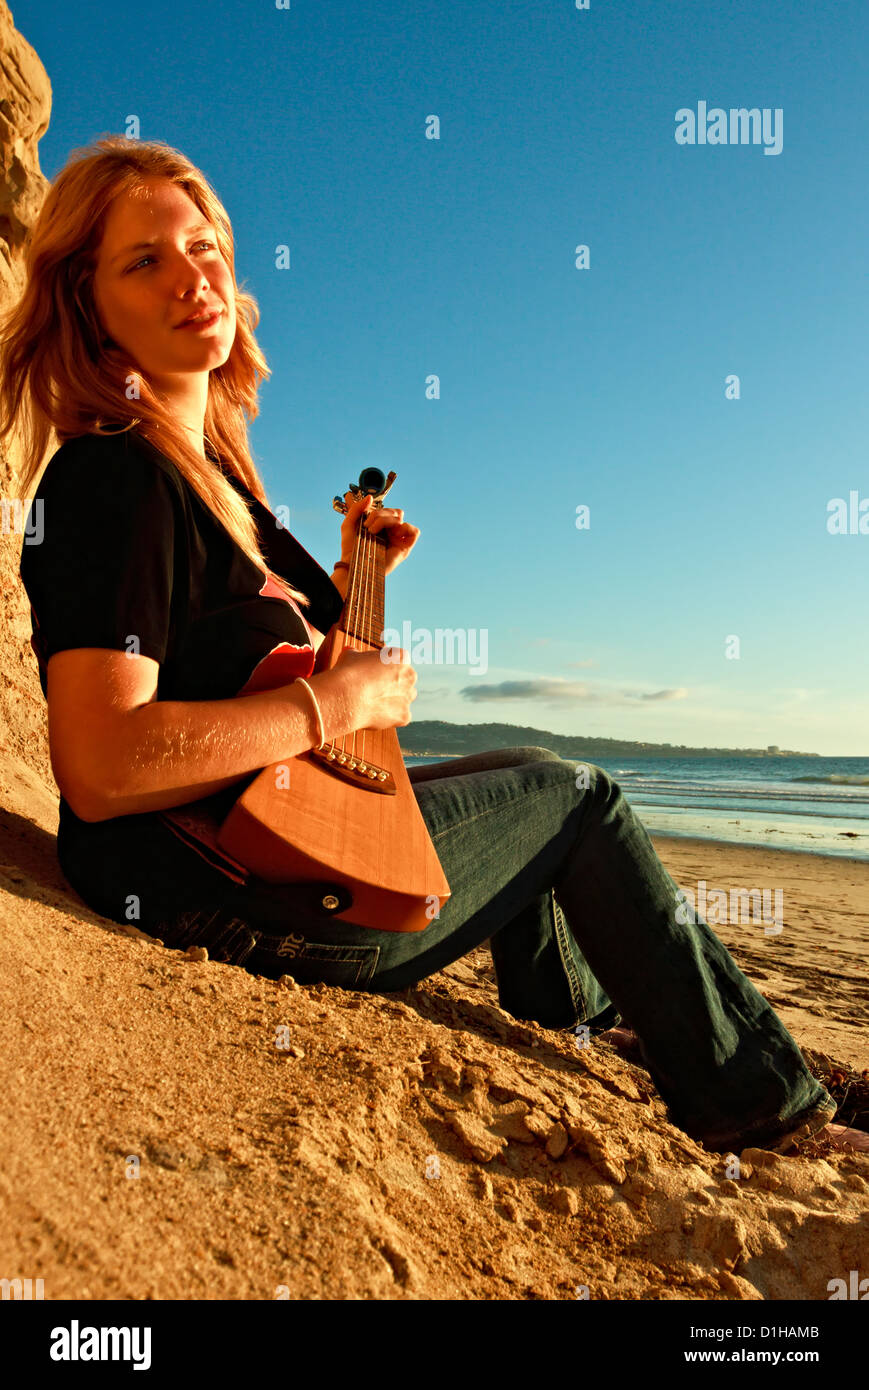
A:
[455,258]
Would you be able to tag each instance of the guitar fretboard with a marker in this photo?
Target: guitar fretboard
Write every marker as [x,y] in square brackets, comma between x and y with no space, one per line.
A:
[363,617]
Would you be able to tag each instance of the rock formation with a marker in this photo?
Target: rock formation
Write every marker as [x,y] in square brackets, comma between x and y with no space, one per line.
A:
[25,106]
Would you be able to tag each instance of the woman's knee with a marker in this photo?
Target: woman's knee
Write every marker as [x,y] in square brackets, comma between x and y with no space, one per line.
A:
[586,774]
[529,753]
[590,781]
[590,777]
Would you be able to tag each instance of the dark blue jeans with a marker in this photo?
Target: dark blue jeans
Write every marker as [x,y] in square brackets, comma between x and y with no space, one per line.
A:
[583,925]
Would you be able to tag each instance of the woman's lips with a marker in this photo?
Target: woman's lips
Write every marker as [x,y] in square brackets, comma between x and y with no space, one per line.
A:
[200,325]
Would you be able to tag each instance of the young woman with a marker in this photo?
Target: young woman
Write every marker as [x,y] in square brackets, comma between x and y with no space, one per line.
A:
[173,619]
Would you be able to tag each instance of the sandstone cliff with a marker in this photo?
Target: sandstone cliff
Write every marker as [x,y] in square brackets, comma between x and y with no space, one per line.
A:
[25,106]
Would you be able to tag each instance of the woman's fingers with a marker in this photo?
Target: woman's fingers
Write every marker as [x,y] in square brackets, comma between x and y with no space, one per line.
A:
[389,516]
[383,516]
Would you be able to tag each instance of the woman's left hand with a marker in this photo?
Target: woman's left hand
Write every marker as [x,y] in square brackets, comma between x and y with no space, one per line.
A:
[401,537]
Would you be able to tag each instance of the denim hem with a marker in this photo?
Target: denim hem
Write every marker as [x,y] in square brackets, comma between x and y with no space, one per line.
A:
[800,1126]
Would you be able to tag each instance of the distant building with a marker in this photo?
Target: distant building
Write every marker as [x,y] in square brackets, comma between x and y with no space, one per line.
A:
[773,748]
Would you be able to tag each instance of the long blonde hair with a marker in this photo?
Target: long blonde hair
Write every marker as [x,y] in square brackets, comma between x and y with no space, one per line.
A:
[59,373]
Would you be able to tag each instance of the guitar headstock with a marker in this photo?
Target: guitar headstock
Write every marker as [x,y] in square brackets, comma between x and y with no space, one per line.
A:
[371,481]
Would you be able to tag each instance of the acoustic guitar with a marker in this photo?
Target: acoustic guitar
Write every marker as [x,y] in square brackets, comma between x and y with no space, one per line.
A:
[346,813]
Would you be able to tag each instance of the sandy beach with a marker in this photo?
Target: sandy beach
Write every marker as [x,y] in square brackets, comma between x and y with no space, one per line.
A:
[426,1145]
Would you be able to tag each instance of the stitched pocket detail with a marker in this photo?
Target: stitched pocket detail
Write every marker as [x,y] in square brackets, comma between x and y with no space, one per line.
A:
[319,962]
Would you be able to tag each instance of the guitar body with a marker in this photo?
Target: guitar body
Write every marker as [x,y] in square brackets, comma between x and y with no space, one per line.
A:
[297,821]
[346,815]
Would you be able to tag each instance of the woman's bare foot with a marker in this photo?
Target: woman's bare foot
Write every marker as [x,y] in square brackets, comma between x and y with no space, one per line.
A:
[843,1138]
[624,1040]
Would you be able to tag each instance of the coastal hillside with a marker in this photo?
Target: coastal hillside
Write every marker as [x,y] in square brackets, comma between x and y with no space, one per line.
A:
[433,737]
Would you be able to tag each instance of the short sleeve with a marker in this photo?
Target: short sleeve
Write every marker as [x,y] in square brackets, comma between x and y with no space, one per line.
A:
[98,559]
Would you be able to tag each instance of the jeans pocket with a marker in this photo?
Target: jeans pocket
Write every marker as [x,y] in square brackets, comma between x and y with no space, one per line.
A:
[318,962]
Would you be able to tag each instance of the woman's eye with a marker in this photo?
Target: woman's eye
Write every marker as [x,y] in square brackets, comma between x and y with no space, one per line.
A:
[151,258]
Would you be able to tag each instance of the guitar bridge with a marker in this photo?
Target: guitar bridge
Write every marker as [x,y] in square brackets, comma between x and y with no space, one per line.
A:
[355,769]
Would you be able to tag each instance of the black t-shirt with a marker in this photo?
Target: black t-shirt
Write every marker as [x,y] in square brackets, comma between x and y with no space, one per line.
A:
[125,553]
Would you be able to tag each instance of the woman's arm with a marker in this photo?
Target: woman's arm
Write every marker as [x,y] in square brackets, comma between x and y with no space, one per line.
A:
[118,751]
[339,579]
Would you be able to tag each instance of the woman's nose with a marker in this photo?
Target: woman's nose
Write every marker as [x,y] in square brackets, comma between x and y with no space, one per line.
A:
[188,275]
[193,280]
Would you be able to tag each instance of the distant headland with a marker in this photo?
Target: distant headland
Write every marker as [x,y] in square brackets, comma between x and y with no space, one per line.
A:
[435,738]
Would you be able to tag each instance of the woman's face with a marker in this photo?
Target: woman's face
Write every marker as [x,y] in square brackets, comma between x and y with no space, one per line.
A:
[142,293]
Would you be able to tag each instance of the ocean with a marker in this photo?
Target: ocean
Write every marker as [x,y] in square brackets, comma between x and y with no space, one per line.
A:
[814,805]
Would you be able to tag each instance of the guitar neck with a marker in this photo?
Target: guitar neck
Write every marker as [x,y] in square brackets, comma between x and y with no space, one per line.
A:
[363,615]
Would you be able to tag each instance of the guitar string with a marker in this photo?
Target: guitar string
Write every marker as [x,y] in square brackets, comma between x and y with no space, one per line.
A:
[370,548]
[355,601]
[352,588]
[362,574]
[375,547]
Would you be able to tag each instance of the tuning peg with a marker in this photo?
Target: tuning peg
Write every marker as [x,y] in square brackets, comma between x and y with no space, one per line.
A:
[371,481]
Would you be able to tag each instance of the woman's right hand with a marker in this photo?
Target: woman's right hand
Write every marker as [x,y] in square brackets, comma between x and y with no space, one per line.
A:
[379,691]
